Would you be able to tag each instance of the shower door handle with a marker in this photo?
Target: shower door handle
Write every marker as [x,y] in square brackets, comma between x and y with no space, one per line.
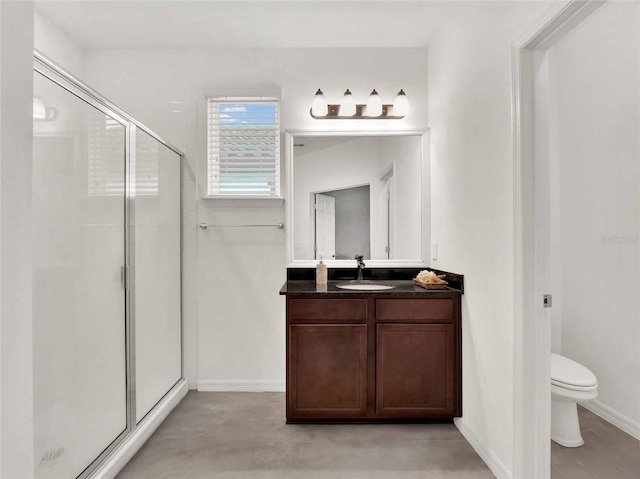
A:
[124,277]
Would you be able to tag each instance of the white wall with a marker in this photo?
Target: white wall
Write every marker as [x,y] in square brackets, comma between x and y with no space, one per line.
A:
[595,87]
[472,207]
[16,343]
[234,316]
[54,44]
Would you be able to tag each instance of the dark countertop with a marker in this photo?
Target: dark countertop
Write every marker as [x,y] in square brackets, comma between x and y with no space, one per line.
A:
[397,276]
[403,287]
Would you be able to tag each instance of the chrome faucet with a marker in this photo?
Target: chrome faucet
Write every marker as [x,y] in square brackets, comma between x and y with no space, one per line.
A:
[361,266]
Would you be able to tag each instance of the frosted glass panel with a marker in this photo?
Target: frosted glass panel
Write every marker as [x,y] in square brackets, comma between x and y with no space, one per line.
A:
[78,299]
[157,272]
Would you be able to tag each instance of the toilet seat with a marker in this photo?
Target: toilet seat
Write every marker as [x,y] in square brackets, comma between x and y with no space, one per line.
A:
[569,374]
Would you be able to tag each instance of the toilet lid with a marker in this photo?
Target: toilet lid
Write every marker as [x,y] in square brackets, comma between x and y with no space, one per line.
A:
[568,373]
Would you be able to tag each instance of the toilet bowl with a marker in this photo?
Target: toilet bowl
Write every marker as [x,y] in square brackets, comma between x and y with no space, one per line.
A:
[570,382]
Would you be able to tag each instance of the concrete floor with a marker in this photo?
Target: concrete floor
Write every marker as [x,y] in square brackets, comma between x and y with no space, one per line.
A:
[608,452]
[244,436]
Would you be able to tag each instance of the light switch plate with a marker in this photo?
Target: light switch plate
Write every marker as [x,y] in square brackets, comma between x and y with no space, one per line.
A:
[434,251]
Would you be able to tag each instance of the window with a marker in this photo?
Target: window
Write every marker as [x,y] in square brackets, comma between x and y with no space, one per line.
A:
[243,147]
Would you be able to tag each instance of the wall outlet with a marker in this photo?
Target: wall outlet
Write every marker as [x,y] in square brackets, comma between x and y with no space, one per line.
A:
[434,251]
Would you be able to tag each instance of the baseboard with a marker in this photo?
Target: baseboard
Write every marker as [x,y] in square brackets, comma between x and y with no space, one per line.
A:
[612,416]
[235,385]
[125,451]
[487,455]
[232,385]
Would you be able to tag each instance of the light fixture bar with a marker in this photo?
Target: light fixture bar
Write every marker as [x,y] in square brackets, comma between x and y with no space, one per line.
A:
[334,113]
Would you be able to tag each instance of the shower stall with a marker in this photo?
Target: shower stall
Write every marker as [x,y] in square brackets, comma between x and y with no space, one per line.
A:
[107,275]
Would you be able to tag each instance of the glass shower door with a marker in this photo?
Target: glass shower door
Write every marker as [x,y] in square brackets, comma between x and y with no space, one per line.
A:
[79,198]
[156,272]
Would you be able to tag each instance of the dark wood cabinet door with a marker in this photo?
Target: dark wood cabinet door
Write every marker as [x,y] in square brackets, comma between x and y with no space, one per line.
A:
[327,371]
[416,370]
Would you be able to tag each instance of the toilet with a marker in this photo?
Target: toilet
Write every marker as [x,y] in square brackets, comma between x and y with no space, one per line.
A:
[570,382]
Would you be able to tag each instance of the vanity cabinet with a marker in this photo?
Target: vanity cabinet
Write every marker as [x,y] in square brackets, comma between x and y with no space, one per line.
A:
[374,357]
[415,370]
[328,370]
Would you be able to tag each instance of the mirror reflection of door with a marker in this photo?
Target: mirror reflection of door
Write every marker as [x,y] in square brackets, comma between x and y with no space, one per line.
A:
[343,223]
[387,216]
[325,208]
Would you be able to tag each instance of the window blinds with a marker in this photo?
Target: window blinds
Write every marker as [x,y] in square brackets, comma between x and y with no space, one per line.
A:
[243,147]
[106,159]
[105,144]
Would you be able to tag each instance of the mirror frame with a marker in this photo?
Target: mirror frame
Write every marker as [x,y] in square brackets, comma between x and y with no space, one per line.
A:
[422,262]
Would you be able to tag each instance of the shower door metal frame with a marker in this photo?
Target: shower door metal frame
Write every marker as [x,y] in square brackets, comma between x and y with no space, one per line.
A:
[48,69]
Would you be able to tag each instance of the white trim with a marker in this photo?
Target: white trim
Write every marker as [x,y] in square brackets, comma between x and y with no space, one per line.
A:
[532,344]
[243,197]
[234,385]
[499,469]
[371,263]
[125,451]
[268,92]
[341,186]
[302,132]
[242,202]
[613,417]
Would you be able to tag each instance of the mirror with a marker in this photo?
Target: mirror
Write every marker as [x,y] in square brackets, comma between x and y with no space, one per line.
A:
[355,193]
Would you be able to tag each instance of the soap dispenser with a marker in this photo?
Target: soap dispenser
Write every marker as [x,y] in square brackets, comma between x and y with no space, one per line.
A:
[321,272]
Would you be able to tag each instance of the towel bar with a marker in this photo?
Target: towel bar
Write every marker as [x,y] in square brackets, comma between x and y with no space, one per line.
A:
[204,226]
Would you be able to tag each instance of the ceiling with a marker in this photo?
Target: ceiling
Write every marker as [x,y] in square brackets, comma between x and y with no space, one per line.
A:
[249,24]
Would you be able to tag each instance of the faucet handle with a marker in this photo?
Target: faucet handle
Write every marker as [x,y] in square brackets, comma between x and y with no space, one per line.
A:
[361,266]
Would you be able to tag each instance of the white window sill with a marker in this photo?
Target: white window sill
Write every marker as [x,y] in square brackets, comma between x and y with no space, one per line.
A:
[245,200]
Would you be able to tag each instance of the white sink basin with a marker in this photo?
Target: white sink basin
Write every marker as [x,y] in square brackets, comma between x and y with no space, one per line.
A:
[356,286]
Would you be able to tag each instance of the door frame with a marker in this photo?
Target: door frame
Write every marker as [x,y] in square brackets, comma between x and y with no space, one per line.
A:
[532,338]
[388,176]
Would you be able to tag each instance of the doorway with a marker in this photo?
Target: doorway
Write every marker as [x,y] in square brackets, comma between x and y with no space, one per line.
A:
[543,180]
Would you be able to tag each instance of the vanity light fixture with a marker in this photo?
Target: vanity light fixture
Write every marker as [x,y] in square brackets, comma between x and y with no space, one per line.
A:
[348,105]
[41,112]
[348,109]
[319,107]
[39,109]
[374,104]
[401,104]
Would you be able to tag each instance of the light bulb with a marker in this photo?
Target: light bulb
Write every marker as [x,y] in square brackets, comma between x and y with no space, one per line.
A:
[348,105]
[39,110]
[374,104]
[319,106]
[401,104]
